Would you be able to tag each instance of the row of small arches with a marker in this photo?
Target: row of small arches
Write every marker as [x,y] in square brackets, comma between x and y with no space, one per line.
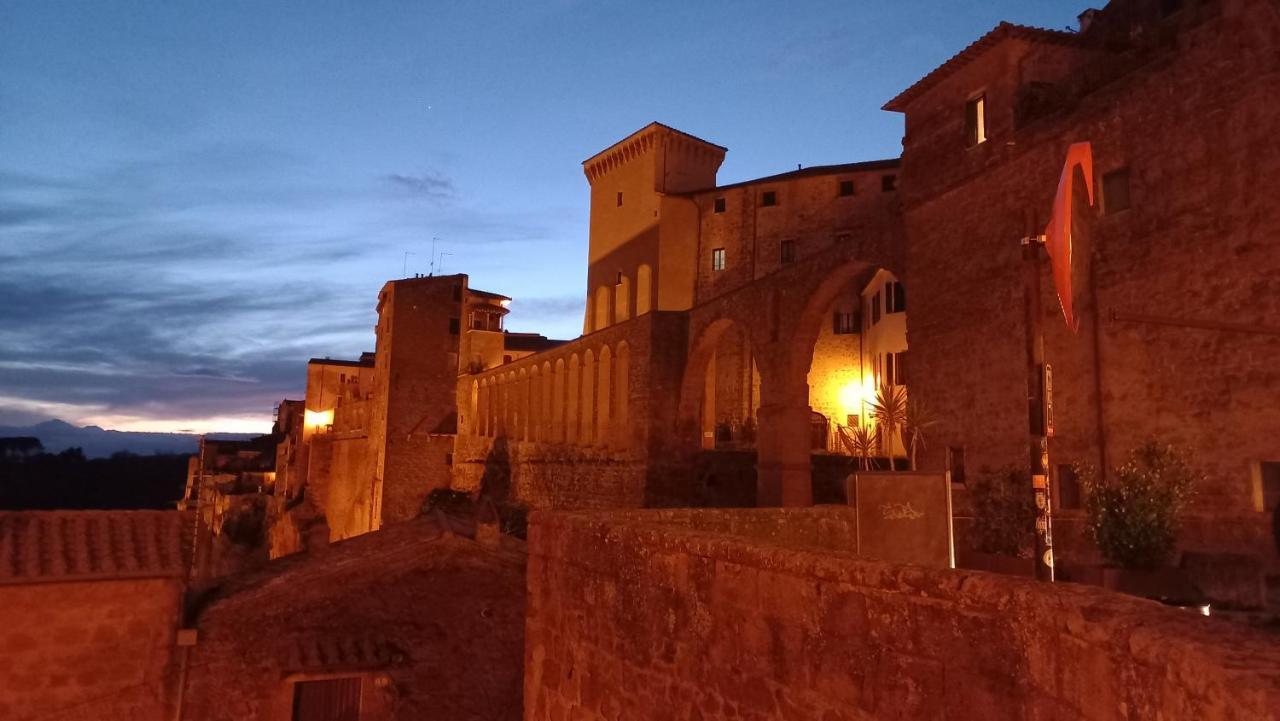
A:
[610,305]
[580,400]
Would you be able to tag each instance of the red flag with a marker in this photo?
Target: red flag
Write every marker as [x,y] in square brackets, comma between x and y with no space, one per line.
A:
[1057,235]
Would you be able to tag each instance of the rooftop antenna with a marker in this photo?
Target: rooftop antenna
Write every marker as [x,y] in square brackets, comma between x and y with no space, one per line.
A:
[404,271]
[433,254]
[442,255]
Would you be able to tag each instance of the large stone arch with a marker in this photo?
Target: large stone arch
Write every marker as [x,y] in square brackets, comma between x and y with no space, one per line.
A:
[693,382]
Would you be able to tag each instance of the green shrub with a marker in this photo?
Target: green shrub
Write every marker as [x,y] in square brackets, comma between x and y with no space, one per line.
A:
[1133,517]
[1004,513]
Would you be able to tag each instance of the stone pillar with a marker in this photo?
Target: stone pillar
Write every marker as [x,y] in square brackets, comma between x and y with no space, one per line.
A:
[782,446]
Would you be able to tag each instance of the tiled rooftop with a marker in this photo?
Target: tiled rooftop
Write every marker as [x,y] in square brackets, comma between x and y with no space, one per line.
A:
[44,546]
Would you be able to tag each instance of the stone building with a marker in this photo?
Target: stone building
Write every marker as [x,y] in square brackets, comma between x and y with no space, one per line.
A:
[81,593]
[374,436]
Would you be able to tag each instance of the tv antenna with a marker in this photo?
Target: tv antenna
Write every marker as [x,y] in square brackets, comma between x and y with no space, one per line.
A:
[433,254]
[404,271]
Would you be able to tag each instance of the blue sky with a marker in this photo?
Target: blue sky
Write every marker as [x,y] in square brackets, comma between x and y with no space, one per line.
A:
[195,197]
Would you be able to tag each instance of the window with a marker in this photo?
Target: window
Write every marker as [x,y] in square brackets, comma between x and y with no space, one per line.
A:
[899,368]
[454,326]
[619,198]
[1267,486]
[975,120]
[717,259]
[769,198]
[844,323]
[334,699]
[719,206]
[846,188]
[617,280]
[895,297]
[1115,191]
[888,183]
[506,359]
[955,463]
[889,378]
[1068,487]
[787,252]
[457,292]
[875,308]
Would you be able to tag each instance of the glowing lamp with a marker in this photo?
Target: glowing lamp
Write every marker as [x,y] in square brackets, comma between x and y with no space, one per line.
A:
[318,419]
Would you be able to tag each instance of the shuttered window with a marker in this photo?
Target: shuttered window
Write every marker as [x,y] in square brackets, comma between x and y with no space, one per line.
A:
[335,699]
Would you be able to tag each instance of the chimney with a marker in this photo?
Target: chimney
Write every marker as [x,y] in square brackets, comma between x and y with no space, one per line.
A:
[1086,18]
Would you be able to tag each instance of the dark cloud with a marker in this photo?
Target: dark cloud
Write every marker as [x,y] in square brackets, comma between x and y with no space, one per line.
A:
[431,186]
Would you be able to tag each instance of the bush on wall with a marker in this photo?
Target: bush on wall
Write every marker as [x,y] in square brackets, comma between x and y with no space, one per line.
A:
[1133,516]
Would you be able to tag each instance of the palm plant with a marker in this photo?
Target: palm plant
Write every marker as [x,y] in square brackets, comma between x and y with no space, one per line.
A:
[861,443]
[889,409]
[919,418]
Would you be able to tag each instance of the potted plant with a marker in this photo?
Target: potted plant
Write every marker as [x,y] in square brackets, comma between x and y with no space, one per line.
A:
[889,409]
[1004,516]
[918,419]
[1132,516]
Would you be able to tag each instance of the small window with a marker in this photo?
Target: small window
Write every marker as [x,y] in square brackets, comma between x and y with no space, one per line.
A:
[506,359]
[900,368]
[769,198]
[787,252]
[875,308]
[955,463]
[454,326]
[334,699]
[618,278]
[457,292]
[975,120]
[844,323]
[1115,191]
[895,297]
[846,188]
[619,199]
[1068,487]
[1267,492]
[719,206]
[888,183]
[717,259]
[890,378]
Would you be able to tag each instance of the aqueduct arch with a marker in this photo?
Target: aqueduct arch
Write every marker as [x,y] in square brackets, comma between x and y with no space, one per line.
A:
[783,315]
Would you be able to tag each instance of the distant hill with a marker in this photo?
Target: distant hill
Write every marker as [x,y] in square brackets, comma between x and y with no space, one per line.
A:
[97,442]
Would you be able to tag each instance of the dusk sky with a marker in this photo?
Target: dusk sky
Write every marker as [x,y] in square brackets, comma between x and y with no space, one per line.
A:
[196,197]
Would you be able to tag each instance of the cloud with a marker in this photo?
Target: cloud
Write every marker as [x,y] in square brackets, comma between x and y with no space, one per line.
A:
[431,186]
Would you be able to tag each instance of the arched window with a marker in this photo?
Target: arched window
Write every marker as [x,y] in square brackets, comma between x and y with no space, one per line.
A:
[546,426]
[473,410]
[644,289]
[535,405]
[557,402]
[621,396]
[622,299]
[602,308]
[522,392]
[574,394]
[604,408]
[588,426]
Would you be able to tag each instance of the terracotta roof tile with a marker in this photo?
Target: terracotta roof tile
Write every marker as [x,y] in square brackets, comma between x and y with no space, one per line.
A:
[43,546]
[997,35]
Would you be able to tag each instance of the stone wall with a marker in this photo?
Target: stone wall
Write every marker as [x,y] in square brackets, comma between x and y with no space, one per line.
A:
[77,651]
[1196,245]
[429,623]
[759,614]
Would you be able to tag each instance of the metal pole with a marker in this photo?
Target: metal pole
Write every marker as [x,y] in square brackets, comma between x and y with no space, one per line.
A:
[1038,447]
